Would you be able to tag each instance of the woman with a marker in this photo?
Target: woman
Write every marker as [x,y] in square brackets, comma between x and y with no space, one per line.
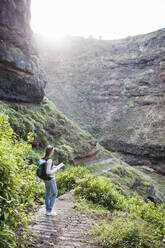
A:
[50,185]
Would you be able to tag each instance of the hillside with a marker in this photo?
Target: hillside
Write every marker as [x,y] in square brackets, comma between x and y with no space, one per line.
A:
[49,126]
[113,89]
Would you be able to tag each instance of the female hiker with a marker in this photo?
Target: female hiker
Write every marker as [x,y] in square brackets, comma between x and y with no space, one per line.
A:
[50,185]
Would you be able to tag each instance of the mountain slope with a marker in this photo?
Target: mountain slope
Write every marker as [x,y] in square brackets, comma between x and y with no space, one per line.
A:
[114,89]
[49,126]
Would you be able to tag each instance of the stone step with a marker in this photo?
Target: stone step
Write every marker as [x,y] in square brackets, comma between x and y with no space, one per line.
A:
[66,230]
[70,243]
[72,246]
[46,225]
[71,238]
[39,228]
[70,234]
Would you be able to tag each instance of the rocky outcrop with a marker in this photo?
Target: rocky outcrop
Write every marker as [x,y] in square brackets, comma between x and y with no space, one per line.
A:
[20,76]
[115,90]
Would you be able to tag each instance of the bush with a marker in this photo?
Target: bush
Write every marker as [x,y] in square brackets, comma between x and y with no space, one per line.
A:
[100,191]
[64,153]
[7,237]
[13,171]
[125,232]
[18,187]
[90,187]
[68,179]
[155,215]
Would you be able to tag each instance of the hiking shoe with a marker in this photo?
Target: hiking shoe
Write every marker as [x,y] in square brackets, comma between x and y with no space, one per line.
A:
[52,213]
[48,213]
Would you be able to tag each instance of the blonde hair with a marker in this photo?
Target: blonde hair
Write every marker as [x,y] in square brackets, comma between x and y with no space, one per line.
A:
[48,151]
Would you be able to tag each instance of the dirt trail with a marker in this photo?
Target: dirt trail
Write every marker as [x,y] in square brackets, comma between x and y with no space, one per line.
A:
[103,170]
[67,229]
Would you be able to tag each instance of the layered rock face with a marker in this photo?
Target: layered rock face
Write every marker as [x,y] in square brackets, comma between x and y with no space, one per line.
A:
[115,89]
[20,76]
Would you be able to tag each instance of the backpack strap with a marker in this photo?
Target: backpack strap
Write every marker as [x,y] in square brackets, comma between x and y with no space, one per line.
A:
[48,159]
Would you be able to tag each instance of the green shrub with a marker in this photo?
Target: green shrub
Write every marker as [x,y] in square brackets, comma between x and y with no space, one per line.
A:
[99,191]
[155,215]
[67,180]
[18,125]
[91,187]
[7,237]
[125,232]
[34,156]
[19,186]
[64,153]
[13,169]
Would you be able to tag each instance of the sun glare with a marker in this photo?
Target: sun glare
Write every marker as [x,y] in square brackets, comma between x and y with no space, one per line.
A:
[110,19]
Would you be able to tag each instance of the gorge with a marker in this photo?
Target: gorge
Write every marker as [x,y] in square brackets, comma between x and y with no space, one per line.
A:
[100,105]
[113,89]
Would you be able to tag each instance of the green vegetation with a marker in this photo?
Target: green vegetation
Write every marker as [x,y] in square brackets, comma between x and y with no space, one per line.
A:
[89,186]
[127,231]
[18,187]
[48,125]
[158,180]
[91,208]
[94,130]
[139,224]
[98,167]
[128,179]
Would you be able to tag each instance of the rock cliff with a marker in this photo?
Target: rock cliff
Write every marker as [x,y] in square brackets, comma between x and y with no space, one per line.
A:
[115,90]
[20,76]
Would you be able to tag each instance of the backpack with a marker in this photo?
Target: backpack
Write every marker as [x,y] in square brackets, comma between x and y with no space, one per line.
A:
[41,169]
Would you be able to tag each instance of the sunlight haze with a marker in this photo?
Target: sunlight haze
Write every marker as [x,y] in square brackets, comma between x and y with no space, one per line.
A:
[108,19]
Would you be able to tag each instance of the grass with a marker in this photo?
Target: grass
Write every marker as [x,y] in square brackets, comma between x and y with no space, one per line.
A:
[98,167]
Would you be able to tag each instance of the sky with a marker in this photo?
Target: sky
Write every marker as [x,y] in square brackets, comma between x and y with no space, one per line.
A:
[106,19]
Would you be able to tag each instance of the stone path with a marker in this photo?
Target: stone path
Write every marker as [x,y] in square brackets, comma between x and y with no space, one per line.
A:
[67,229]
[109,161]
